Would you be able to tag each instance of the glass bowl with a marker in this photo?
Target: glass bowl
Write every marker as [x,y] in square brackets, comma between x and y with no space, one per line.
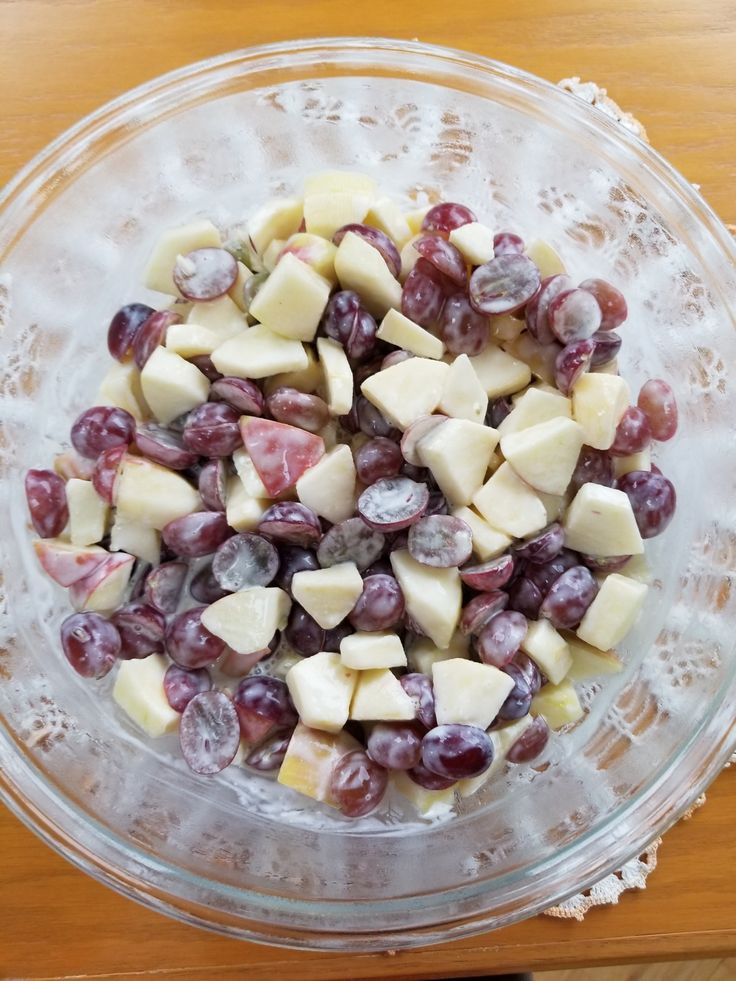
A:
[245,856]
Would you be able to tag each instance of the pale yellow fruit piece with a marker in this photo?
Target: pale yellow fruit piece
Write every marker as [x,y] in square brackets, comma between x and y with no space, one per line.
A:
[463,396]
[190,340]
[499,373]
[135,538]
[321,688]
[275,219]
[428,803]
[458,452]
[366,650]
[340,182]
[121,386]
[139,691]
[236,292]
[547,649]
[307,379]
[222,317]
[153,495]
[559,704]
[310,759]
[474,241]
[423,652]
[328,595]
[174,242]
[544,257]
[468,693]
[613,612]
[379,697]
[243,512]
[292,300]
[488,542]
[171,385]
[88,513]
[407,390]
[598,402]
[258,352]
[415,217]
[387,217]
[635,461]
[325,212]
[588,662]
[409,257]
[534,406]
[397,329]
[329,486]
[338,375]
[317,252]
[248,619]
[600,521]
[433,596]
[360,267]
[545,455]
[539,358]
[510,505]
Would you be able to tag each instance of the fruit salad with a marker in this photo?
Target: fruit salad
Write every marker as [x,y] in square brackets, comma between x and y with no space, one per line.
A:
[360,501]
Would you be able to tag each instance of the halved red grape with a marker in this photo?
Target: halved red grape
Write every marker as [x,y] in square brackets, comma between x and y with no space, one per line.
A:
[657,402]
[415,432]
[379,457]
[152,334]
[297,408]
[605,563]
[527,670]
[303,632]
[611,301]
[357,784]
[241,394]
[292,523]
[164,586]
[141,627]
[206,366]
[420,690]
[346,320]
[212,429]
[525,597]
[519,699]
[504,284]
[203,586]
[181,686]
[209,734]
[395,357]
[440,540]
[444,256]
[371,421]
[270,754]
[572,361]
[235,665]
[507,243]
[530,743]
[101,428]
[462,329]
[422,296]
[569,597]
[196,534]
[47,505]
[211,484]
[499,641]
[632,433]
[244,561]
[106,471]
[205,274]
[350,541]
[437,504]
[293,559]
[430,781]
[380,606]
[447,216]
[544,546]
[607,346]
[164,446]
[545,573]
[481,609]
[536,310]
[653,500]
[263,704]
[457,751]
[573,315]
[123,328]
[593,467]
[395,745]
[380,242]
[90,643]
[497,411]
[189,643]
[485,576]
[393,503]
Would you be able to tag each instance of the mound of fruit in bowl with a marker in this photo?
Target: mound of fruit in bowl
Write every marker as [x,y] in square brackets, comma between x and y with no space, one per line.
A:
[361,502]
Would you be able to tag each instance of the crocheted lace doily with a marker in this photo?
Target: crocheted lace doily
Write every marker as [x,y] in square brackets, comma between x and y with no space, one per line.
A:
[634,873]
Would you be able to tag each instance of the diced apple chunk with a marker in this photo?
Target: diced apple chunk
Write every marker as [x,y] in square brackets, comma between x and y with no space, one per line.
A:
[638,568]
[135,538]
[321,688]
[544,257]
[362,268]
[329,486]
[87,512]
[139,691]
[174,242]
[221,316]
[171,385]
[237,291]
[468,693]
[545,455]
[242,511]
[554,505]
[423,652]
[104,589]
[315,251]
[257,353]
[588,662]
[458,453]
[488,542]
[505,327]
[190,340]
[338,375]
[510,505]
[397,329]
[379,697]
[292,300]
[433,596]
[474,241]
[428,803]
[65,563]
[547,649]
[635,461]
[499,373]
[328,595]
[275,219]
[307,379]
[153,495]
[324,213]
[387,217]
[364,651]
[613,612]
[245,469]
[310,759]
[409,257]
[415,217]
[534,406]
[598,402]
[600,521]
[539,358]
[463,396]
[248,619]
[407,390]
[559,704]
[121,386]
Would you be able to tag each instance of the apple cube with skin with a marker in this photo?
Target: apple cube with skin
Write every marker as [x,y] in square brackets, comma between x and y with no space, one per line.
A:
[544,257]
[613,612]
[275,219]
[379,697]
[635,461]
[135,538]
[153,495]
[534,406]
[547,649]
[307,379]
[321,688]
[364,650]
[499,373]
[588,662]
[474,241]
[88,513]
[463,396]
[190,340]
[423,652]
[65,563]
[328,595]
[402,332]
[458,453]
[559,704]
[221,316]
[171,385]
[510,505]
[428,803]
[600,521]
[310,759]
[488,542]
[387,217]
[433,596]
[242,511]
[139,691]
[174,242]
[468,693]
[338,375]
[545,455]
[292,300]
[121,386]
[317,252]
[248,619]
[407,390]
[329,486]
[258,352]
[598,402]
[280,453]
[362,268]
[237,291]
[105,587]
[502,739]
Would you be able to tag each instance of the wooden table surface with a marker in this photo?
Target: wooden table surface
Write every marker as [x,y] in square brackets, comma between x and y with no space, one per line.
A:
[670,62]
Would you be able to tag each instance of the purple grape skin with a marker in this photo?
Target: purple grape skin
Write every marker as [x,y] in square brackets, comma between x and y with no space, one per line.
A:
[457,751]
[164,585]
[91,644]
[504,284]
[520,697]
[481,609]
[569,597]
[204,588]
[263,704]
[497,412]
[213,430]
[211,485]
[507,242]
[141,627]
[420,690]
[611,302]
[244,561]
[215,272]
[573,315]
[209,734]
[293,559]
[632,433]
[371,420]
[530,743]
[444,256]
[422,296]
[461,328]
[378,239]
[530,672]
[525,597]
[164,446]
[241,394]
[544,546]
[378,458]
[101,428]
[47,504]
[123,328]
[393,503]
[205,364]
[189,643]
[396,357]
[572,362]
[437,505]
[295,408]
[605,563]
[303,632]
[593,467]
[653,500]
[545,573]
[270,754]
[346,320]
[181,686]
[350,541]
[395,745]
[380,606]
[447,216]
[292,523]
[536,310]
[430,781]
[357,784]
[441,541]
[607,346]
[335,637]
[197,534]
[151,334]
[499,641]
[486,576]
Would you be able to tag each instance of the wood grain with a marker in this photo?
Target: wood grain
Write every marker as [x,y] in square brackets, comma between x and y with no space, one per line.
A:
[671,63]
